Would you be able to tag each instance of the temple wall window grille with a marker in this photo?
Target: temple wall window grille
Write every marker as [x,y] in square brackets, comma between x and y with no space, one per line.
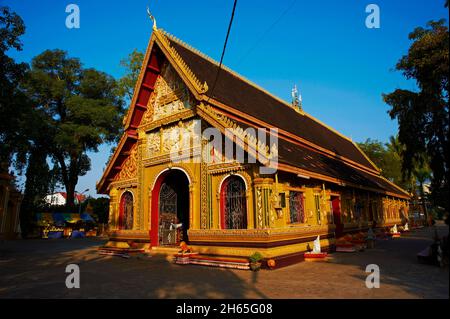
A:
[126,211]
[233,203]
[317,207]
[296,207]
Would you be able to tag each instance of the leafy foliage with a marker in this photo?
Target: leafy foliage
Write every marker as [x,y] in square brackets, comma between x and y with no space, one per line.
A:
[387,158]
[81,110]
[255,257]
[423,116]
[23,133]
[100,208]
[132,65]
[13,104]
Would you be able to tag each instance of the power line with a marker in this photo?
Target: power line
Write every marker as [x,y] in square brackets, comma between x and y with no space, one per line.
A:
[224,48]
[256,43]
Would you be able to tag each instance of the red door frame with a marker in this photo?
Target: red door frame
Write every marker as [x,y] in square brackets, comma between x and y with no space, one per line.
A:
[154,225]
[222,202]
[336,203]
[121,210]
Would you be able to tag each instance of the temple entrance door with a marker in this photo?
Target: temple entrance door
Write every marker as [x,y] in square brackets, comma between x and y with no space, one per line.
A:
[336,205]
[172,208]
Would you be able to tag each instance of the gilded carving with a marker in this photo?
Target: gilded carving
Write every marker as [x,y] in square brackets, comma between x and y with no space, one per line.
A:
[200,87]
[171,140]
[257,234]
[259,208]
[129,167]
[153,144]
[170,96]
[203,192]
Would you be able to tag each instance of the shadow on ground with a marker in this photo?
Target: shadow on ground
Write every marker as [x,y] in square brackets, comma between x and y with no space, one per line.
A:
[36,269]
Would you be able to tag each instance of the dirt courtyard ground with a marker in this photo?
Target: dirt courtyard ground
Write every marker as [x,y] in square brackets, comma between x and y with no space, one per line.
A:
[36,269]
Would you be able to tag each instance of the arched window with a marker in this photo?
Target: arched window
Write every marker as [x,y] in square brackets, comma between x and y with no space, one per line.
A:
[233,203]
[126,211]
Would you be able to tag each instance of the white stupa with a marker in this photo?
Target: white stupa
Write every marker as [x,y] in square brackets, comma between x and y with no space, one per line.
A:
[316,248]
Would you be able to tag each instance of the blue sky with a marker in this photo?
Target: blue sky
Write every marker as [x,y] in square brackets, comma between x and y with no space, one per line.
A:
[340,66]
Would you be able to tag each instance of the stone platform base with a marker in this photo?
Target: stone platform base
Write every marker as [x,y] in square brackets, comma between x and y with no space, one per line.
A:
[212,261]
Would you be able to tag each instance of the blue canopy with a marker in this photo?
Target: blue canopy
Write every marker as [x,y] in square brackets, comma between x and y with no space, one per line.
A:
[59,219]
[87,218]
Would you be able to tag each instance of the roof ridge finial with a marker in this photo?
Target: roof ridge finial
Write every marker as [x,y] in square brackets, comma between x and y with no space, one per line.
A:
[296,99]
[152,18]
[294,96]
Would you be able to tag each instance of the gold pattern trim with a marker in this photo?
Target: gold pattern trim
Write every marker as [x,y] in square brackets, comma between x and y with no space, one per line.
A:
[129,167]
[203,194]
[193,152]
[256,235]
[161,35]
[252,141]
[132,182]
[168,120]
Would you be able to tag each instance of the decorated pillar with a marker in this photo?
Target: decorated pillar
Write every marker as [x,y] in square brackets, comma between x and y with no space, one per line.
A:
[206,219]
[264,217]
[142,148]
[191,206]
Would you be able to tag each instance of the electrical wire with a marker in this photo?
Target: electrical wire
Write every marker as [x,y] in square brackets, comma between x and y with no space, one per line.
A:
[224,48]
[256,43]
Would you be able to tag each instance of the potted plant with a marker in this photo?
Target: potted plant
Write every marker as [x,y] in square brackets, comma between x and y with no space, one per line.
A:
[255,261]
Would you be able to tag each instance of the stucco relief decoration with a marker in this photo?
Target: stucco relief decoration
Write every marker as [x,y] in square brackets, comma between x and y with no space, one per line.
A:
[153,144]
[148,115]
[171,139]
[171,94]
[193,131]
[129,167]
[178,137]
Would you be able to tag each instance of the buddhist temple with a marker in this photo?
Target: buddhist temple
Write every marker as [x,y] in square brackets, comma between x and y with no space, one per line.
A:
[172,177]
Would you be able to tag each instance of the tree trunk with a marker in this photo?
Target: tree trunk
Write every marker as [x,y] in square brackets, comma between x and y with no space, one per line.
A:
[70,199]
[37,185]
[70,178]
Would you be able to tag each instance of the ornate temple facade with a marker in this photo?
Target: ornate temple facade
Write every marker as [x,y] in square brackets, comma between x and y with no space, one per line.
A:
[171,178]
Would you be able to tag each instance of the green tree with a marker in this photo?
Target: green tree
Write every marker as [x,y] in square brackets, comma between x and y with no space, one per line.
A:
[422,174]
[386,158]
[423,116]
[82,110]
[13,103]
[23,134]
[100,207]
[132,64]
[394,157]
[40,179]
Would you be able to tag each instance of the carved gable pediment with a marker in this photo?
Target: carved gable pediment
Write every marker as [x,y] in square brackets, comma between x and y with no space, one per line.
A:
[169,97]
[129,167]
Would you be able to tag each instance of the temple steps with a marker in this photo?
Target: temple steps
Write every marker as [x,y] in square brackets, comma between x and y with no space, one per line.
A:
[212,261]
[165,250]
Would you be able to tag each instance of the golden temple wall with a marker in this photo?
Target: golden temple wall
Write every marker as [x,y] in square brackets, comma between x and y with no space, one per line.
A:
[269,228]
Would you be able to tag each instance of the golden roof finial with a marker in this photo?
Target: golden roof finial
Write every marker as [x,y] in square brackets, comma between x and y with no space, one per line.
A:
[152,18]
